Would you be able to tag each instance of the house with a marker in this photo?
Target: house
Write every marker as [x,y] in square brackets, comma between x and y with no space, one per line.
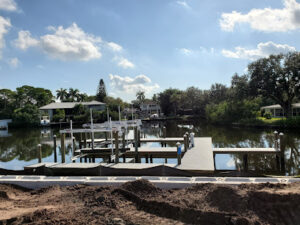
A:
[277,111]
[149,107]
[69,106]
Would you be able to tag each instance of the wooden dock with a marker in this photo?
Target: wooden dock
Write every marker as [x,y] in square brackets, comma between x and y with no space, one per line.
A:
[193,160]
[199,158]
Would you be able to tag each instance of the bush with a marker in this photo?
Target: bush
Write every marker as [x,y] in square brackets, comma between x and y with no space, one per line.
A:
[268,115]
[59,115]
[27,116]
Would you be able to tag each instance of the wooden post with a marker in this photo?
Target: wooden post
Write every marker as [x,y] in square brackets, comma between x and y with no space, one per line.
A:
[276,140]
[123,141]
[62,147]
[139,137]
[136,145]
[166,160]
[54,148]
[282,148]
[245,160]
[40,153]
[215,161]
[185,143]
[147,160]
[85,137]
[124,158]
[187,140]
[151,159]
[105,136]
[178,153]
[164,132]
[117,146]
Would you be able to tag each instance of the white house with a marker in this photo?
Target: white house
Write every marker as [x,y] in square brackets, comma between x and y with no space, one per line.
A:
[149,108]
[68,107]
[277,111]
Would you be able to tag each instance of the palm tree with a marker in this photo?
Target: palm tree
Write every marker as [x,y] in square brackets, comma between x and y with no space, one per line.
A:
[73,94]
[62,94]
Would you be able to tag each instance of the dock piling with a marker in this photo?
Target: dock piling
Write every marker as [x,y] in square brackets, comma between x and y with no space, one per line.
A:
[282,148]
[40,153]
[62,147]
[185,143]
[54,148]
[178,153]
[117,146]
[245,161]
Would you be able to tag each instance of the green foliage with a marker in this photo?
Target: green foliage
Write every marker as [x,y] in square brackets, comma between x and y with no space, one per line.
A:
[26,116]
[277,77]
[101,91]
[232,111]
[268,115]
[59,115]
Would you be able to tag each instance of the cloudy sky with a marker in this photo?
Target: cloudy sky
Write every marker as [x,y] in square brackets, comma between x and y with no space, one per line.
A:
[138,44]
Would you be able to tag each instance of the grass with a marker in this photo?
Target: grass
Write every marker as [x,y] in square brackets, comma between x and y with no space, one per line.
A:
[271,121]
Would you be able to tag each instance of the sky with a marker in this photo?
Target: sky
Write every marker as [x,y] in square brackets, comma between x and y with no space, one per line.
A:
[139,44]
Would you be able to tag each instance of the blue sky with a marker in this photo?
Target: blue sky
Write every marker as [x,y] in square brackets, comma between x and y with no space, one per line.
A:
[137,44]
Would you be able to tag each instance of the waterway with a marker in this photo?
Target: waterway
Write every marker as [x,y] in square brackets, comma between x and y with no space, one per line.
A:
[18,147]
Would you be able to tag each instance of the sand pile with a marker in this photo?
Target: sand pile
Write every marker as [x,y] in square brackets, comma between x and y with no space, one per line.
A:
[140,202]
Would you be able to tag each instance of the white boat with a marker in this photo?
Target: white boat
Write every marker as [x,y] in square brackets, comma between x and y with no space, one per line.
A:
[45,121]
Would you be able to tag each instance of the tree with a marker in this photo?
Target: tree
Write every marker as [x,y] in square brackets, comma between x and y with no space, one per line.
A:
[277,77]
[101,91]
[140,96]
[73,94]
[62,94]
[27,115]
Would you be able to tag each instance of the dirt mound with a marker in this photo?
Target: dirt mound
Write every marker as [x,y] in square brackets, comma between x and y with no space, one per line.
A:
[4,195]
[141,187]
[140,202]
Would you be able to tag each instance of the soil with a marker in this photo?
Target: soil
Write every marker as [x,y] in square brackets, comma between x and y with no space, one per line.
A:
[140,202]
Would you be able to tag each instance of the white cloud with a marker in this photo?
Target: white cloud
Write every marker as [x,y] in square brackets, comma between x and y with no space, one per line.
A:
[262,50]
[200,50]
[267,19]
[114,46]
[123,62]
[14,62]
[186,51]
[25,40]
[8,5]
[70,43]
[129,85]
[4,26]
[184,4]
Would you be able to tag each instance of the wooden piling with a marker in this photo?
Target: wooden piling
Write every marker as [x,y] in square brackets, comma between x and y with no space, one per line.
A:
[245,161]
[117,146]
[62,147]
[139,137]
[84,138]
[54,148]
[282,148]
[185,143]
[178,153]
[136,145]
[276,140]
[151,159]
[39,153]
[164,132]
[123,141]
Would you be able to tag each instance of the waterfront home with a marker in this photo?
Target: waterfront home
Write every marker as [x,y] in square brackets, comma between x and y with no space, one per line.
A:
[68,107]
[278,112]
[149,107]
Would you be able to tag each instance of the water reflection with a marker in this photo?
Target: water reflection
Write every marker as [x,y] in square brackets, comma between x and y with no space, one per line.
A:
[18,148]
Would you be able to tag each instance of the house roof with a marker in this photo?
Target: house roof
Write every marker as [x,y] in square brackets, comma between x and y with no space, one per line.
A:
[277,106]
[69,105]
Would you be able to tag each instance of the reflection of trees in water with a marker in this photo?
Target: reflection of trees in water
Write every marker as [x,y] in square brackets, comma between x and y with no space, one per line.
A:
[22,145]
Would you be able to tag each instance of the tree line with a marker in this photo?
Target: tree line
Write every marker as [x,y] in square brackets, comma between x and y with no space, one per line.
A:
[271,80]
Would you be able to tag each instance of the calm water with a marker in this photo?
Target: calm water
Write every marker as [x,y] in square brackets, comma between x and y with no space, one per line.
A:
[18,147]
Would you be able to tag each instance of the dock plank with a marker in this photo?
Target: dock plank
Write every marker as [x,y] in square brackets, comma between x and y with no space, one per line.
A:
[200,157]
[244,150]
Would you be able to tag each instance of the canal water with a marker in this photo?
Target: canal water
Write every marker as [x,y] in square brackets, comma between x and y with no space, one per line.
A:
[18,147]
